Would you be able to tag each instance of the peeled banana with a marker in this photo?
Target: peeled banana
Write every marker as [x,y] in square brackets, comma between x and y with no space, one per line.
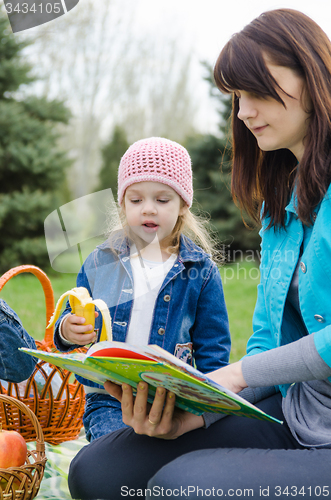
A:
[82,305]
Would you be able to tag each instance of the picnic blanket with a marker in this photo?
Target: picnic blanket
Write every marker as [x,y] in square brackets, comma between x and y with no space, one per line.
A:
[55,481]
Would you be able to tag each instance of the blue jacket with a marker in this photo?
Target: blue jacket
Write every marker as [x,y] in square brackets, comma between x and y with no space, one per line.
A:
[15,366]
[274,323]
[189,311]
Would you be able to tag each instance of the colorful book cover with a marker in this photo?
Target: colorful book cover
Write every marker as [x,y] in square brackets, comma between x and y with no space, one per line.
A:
[124,363]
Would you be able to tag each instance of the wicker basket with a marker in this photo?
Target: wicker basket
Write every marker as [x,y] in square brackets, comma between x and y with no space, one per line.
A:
[23,483]
[59,404]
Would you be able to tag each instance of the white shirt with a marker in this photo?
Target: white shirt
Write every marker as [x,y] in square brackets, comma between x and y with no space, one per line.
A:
[148,277]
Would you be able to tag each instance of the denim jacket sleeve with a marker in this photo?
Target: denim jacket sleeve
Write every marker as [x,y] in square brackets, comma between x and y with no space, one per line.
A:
[210,335]
[15,366]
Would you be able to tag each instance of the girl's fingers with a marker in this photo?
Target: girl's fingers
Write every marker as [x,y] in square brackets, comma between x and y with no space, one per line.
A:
[80,329]
[83,338]
[77,323]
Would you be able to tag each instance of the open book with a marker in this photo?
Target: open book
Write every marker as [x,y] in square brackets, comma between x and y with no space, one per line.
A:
[124,363]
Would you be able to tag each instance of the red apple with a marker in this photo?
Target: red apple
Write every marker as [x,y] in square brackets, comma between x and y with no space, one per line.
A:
[13,449]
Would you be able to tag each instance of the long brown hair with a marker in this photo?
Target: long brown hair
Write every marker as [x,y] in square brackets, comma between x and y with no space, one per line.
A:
[289,38]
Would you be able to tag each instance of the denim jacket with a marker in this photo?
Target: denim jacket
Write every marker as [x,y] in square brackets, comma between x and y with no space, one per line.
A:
[15,366]
[274,323]
[189,312]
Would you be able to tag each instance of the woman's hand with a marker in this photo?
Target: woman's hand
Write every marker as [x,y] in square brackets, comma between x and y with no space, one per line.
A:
[161,419]
[230,377]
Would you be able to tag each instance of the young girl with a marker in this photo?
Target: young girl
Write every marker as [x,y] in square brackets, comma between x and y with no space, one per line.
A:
[159,286]
[278,69]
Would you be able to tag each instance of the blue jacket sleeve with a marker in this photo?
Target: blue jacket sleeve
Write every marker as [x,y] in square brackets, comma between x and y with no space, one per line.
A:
[15,366]
[210,335]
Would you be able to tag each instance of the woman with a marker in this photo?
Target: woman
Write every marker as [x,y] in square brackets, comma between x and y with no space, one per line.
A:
[278,69]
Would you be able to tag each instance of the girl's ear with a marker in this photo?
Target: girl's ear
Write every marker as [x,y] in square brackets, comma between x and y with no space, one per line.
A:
[183,209]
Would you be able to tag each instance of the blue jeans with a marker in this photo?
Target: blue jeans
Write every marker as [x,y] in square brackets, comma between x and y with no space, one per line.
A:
[102,415]
[15,366]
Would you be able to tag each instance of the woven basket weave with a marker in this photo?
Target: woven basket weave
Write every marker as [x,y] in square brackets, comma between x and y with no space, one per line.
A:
[59,411]
[23,483]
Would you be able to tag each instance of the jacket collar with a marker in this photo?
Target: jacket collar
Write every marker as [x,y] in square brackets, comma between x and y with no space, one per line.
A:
[290,208]
[188,251]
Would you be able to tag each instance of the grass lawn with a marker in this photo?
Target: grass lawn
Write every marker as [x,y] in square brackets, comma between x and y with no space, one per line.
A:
[240,282]
[25,295]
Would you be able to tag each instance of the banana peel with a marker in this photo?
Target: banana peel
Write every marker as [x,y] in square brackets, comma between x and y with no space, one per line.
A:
[82,305]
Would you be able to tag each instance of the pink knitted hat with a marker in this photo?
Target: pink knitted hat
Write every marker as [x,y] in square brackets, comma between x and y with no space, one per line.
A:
[158,160]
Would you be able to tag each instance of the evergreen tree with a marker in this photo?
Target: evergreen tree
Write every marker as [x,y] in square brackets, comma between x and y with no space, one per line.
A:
[111,157]
[31,165]
[211,159]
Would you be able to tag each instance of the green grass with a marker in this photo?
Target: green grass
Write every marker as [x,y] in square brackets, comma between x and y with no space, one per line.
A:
[25,295]
[240,282]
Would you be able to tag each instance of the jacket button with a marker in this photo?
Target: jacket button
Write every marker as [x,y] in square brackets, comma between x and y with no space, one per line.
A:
[166,298]
[319,318]
[303,267]
[161,331]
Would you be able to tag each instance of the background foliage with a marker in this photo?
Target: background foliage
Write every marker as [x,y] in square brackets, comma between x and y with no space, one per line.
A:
[112,103]
[112,153]
[211,158]
[31,164]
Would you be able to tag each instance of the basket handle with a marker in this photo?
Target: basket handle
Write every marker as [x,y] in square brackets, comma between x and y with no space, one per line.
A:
[48,291]
[40,444]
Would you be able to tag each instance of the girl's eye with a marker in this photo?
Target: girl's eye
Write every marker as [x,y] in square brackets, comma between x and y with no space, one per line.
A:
[135,201]
[163,201]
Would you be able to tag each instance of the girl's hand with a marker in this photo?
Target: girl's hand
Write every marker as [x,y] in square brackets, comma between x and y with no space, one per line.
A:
[74,330]
[161,419]
[230,377]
